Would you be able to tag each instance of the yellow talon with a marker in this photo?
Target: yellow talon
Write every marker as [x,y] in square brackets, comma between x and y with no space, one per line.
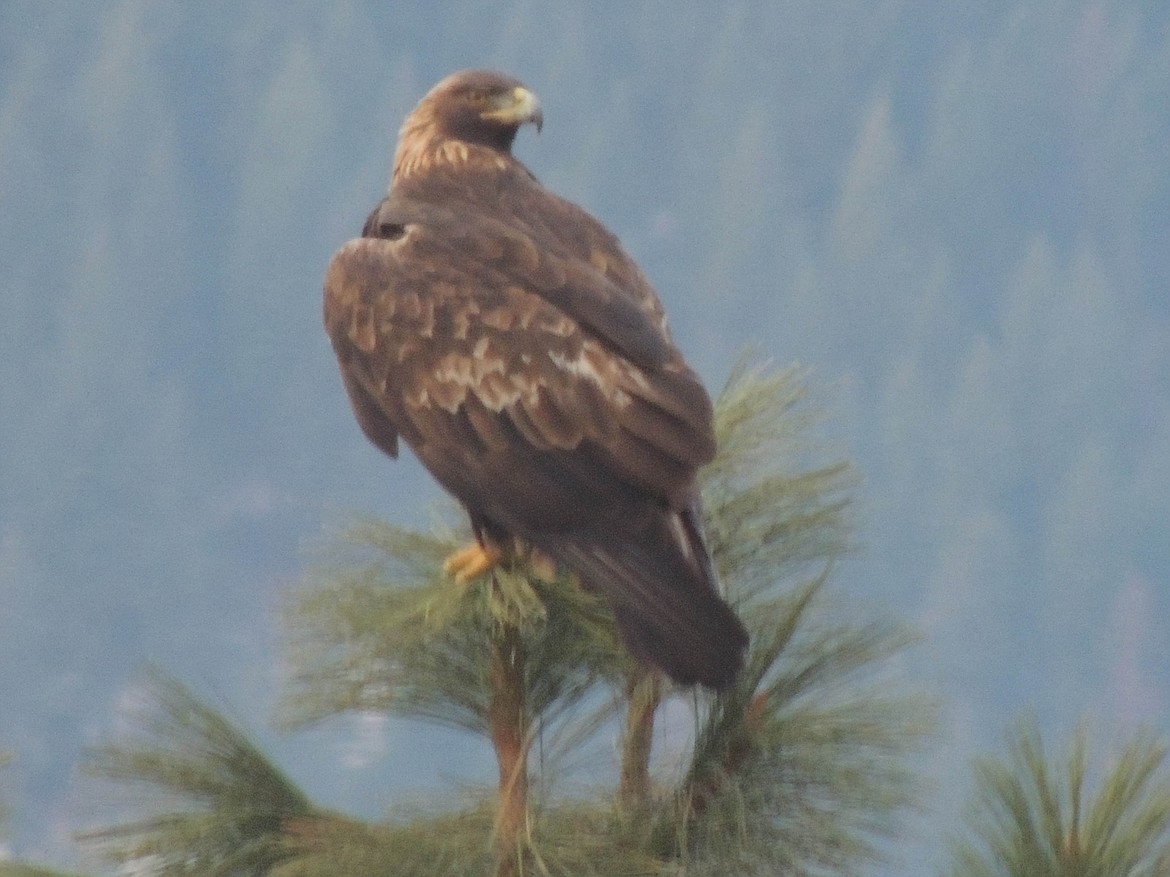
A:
[471,562]
[542,566]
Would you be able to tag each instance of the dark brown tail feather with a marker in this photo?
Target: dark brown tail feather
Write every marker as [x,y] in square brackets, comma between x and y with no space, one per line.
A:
[668,611]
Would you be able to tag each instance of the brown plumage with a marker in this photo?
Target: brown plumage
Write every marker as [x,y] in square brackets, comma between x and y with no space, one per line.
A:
[510,340]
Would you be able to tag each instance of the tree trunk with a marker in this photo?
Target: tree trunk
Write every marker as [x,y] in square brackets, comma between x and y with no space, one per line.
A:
[643,694]
[509,731]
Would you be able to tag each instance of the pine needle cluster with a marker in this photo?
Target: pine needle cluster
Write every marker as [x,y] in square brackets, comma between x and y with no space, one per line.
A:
[1036,815]
[210,801]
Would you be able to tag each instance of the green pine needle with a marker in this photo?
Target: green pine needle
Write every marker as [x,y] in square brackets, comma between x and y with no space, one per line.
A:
[214,805]
[1035,815]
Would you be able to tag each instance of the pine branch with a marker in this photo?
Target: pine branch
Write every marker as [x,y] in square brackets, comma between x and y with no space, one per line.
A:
[214,803]
[380,630]
[800,769]
[643,694]
[1034,815]
[509,731]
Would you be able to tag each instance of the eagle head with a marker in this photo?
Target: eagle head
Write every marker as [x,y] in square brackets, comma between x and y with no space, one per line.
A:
[471,107]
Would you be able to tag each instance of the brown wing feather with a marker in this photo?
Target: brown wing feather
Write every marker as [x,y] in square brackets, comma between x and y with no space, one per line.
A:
[447,313]
[558,225]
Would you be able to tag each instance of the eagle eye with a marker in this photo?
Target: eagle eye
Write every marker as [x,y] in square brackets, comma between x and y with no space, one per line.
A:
[391,231]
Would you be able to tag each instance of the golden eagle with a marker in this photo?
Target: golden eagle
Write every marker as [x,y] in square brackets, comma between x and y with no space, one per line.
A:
[511,341]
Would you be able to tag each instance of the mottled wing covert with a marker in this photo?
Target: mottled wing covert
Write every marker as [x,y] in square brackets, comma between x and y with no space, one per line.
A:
[463,328]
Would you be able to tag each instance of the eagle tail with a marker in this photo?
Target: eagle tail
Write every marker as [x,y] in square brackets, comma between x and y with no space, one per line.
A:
[665,597]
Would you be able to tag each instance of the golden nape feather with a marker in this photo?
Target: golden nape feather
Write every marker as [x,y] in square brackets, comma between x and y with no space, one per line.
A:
[506,336]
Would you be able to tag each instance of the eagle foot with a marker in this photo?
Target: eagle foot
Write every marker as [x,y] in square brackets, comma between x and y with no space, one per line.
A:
[541,565]
[471,562]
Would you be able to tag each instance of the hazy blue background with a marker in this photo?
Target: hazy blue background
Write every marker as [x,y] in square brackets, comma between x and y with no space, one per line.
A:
[957,214]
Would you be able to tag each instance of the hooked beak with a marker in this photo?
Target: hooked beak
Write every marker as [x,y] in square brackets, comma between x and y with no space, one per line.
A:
[517,107]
